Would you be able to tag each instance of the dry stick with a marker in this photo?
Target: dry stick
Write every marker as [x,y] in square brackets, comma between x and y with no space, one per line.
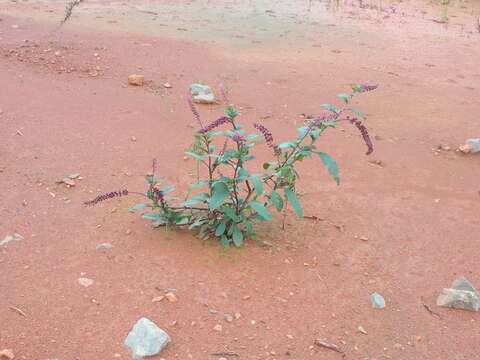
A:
[325,344]
[17,310]
[433,313]
[225,353]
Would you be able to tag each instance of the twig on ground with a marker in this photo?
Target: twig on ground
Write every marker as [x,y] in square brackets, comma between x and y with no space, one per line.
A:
[225,353]
[17,310]
[322,342]
[433,313]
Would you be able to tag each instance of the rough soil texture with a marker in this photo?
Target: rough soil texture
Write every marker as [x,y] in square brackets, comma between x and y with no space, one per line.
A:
[66,108]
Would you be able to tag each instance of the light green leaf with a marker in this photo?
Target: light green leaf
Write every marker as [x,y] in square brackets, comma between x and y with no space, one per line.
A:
[224,241]
[276,200]
[137,207]
[357,112]
[220,230]
[182,221]
[237,236]
[331,166]
[286,145]
[195,156]
[151,216]
[242,174]
[257,183]
[168,189]
[261,210]
[219,193]
[292,199]
[196,199]
[345,97]
[331,107]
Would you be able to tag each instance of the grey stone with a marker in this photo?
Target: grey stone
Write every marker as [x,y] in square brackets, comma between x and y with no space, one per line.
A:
[474,145]
[146,339]
[459,299]
[377,300]
[104,246]
[8,238]
[202,94]
[228,317]
[463,284]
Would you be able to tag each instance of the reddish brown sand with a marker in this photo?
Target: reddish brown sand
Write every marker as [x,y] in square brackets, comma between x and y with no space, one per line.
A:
[66,108]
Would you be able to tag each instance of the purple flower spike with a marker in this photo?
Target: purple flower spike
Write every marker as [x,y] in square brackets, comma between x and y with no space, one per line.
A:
[364,131]
[238,138]
[220,121]
[367,86]
[266,133]
[194,110]
[324,116]
[106,196]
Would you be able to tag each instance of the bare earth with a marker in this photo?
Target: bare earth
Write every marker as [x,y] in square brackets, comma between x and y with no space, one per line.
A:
[66,108]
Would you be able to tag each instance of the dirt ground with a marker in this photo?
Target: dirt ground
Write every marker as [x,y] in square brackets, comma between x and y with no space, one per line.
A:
[66,108]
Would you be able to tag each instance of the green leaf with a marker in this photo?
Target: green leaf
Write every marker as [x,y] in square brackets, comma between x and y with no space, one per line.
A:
[331,166]
[331,107]
[198,184]
[137,207]
[302,131]
[195,156]
[220,230]
[276,200]
[159,222]
[151,216]
[237,236]
[196,199]
[356,88]
[292,199]
[231,112]
[242,174]
[182,221]
[357,112]
[149,179]
[261,210]
[266,165]
[219,193]
[257,183]
[168,189]
[286,145]
[224,241]
[197,223]
[345,97]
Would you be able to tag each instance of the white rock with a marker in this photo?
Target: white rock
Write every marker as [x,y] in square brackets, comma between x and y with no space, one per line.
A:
[146,339]
[202,94]
[86,282]
[8,238]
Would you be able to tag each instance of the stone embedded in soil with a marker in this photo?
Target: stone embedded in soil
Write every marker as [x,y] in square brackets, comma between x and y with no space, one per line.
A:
[7,354]
[171,297]
[463,284]
[8,238]
[377,300]
[104,246]
[461,295]
[86,282]
[470,146]
[218,328]
[202,94]
[228,317]
[362,330]
[146,339]
[136,80]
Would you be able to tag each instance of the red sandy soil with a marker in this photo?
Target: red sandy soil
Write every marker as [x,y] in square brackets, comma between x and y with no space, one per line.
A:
[71,112]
